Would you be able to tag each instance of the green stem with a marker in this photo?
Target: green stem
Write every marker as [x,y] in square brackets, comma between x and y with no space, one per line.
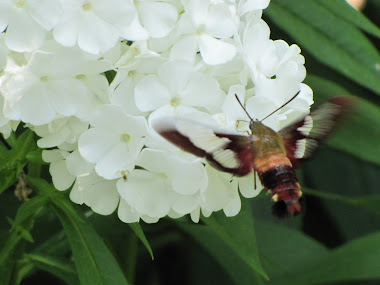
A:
[34,169]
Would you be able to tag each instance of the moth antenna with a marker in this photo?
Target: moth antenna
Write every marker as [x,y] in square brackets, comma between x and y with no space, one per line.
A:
[237,98]
[290,100]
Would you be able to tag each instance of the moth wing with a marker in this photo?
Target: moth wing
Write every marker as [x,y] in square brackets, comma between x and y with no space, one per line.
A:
[226,152]
[303,137]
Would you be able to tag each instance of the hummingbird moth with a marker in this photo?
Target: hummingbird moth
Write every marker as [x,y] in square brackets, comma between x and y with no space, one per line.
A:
[273,155]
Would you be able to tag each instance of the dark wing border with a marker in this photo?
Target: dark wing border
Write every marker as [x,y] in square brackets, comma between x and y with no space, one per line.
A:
[325,117]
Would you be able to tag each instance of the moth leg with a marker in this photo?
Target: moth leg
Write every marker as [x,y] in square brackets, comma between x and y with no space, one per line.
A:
[254,178]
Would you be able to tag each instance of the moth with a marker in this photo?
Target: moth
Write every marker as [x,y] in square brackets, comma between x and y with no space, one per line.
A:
[272,155]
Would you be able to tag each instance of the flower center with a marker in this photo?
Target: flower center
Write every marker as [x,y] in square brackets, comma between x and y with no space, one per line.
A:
[80,76]
[44,78]
[125,137]
[174,102]
[20,3]
[200,30]
[86,6]
[162,175]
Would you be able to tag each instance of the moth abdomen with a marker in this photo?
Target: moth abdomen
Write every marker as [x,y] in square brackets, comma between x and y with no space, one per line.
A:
[278,175]
[281,181]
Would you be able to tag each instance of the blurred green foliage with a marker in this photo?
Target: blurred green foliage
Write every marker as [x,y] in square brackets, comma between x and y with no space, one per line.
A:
[336,241]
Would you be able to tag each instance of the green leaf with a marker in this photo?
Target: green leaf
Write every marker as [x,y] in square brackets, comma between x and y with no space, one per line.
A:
[42,187]
[232,242]
[370,203]
[35,156]
[136,228]
[13,161]
[29,208]
[239,271]
[335,42]
[345,11]
[324,88]
[357,135]
[284,250]
[94,262]
[356,260]
[13,244]
[58,267]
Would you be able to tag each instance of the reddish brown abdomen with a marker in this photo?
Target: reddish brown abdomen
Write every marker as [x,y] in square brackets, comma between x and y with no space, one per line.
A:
[278,177]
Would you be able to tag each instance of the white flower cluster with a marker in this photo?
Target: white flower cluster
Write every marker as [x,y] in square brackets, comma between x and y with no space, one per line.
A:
[169,57]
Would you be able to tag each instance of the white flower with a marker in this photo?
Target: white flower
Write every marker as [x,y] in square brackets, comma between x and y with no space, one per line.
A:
[157,17]
[276,69]
[65,167]
[3,53]
[221,193]
[168,183]
[97,193]
[95,24]
[54,82]
[126,213]
[27,22]
[90,74]
[61,130]
[177,84]
[245,6]
[114,141]
[207,27]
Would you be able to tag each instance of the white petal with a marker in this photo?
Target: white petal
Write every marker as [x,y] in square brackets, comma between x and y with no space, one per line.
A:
[102,197]
[175,75]
[151,93]
[220,191]
[46,12]
[247,185]
[157,17]
[187,177]
[67,95]
[115,160]
[53,155]
[125,97]
[219,22]
[134,31]
[62,179]
[147,192]
[185,204]
[96,35]
[77,195]
[23,33]
[126,213]
[215,51]
[149,220]
[77,165]
[185,49]
[95,144]
[247,5]
[195,215]
[202,91]
[66,33]
[233,207]
[35,107]
[153,160]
